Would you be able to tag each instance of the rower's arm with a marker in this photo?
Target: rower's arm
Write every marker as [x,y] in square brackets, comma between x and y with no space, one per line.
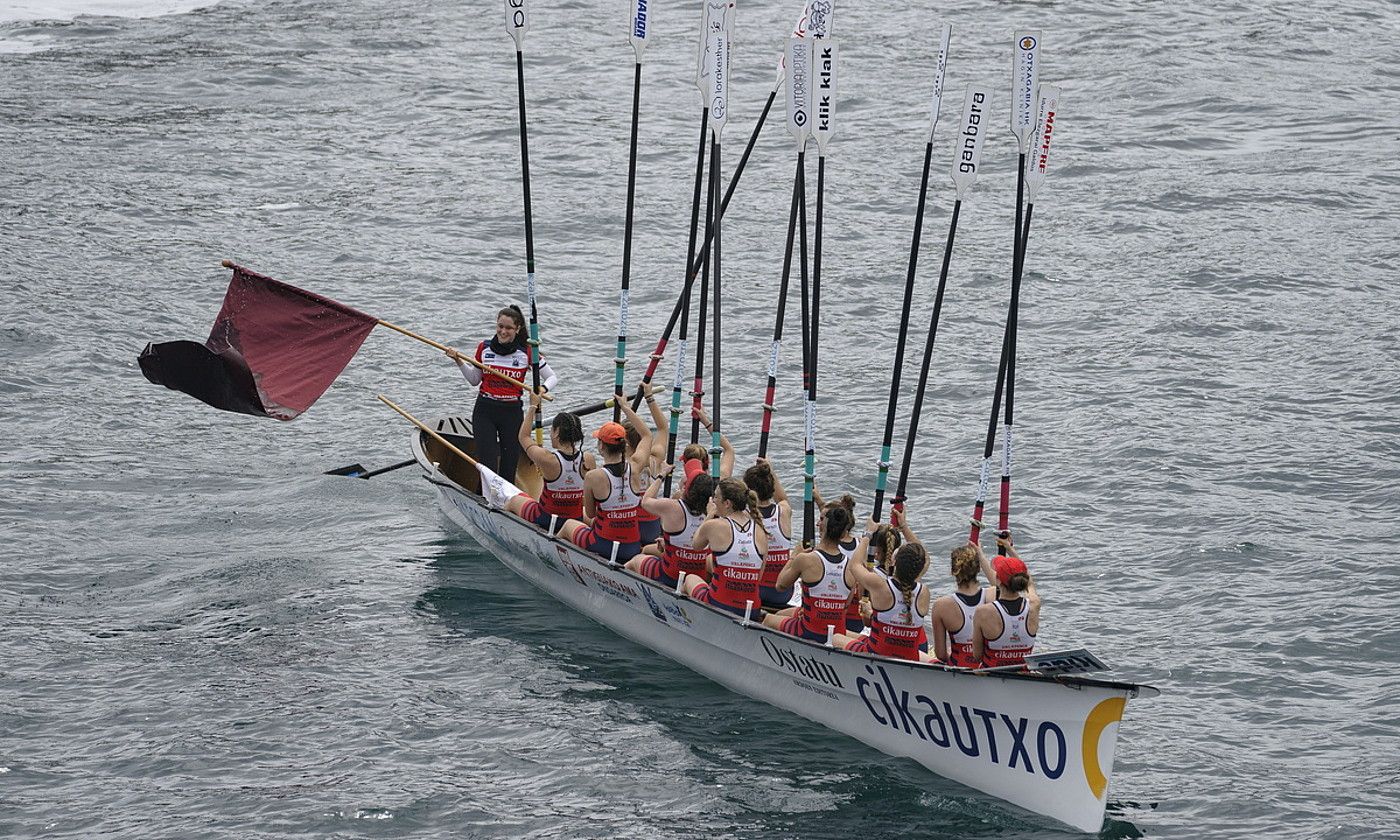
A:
[979,644]
[641,456]
[940,635]
[792,572]
[590,504]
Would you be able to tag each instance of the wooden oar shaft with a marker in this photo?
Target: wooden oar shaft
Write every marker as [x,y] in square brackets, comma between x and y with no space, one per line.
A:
[420,424]
[468,359]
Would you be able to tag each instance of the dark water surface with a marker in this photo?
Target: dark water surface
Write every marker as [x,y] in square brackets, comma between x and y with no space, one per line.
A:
[204,637]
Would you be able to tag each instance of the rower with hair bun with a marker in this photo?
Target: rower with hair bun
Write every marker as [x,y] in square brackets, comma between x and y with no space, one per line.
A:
[827,583]
[777,521]
[563,469]
[1003,631]
[679,519]
[611,495]
[953,614]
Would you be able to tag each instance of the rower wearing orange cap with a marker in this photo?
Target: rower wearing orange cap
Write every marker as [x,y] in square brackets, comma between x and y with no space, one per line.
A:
[1003,631]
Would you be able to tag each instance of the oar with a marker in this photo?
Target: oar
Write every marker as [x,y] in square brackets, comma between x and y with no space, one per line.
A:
[1025,68]
[967,156]
[797,56]
[721,33]
[678,384]
[485,369]
[517,22]
[424,427]
[824,56]
[359,471]
[1047,97]
[637,36]
[883,464]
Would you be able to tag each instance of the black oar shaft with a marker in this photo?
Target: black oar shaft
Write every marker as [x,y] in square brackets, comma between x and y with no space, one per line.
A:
[715,448]
[897,370]
[771,390]
[1012,322]
[621,360]
[814,335]
[928,355]
[809,518]
[534,341]
[697,389]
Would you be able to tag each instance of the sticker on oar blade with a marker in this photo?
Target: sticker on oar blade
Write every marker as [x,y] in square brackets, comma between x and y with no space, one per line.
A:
[718,53]
[517,21]
[638,26]
[824,54]
[967,145]
[1025,65]
[799,99]
[1039,161]
[940,68]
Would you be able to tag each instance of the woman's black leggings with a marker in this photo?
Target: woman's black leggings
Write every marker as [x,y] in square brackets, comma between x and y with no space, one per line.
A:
[496,426]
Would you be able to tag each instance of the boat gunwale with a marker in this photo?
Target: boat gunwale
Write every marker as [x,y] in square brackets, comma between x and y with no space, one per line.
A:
[1134,690]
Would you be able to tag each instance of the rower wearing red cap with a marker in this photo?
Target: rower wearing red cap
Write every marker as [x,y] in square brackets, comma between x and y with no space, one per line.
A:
[680,519]
[611,495]
[1003,631]
[738,543]
[953,614]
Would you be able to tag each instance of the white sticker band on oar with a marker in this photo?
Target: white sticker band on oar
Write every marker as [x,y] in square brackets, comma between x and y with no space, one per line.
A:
[638,26]
[1039,161]
[1025,65]
[799,99]
[824,55]
[938,72]
[517,21]
[967,145]
[718,53]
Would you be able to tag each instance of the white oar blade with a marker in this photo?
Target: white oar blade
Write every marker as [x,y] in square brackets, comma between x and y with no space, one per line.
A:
[824,61]
[639,26]
[799,30]
[799,89]
[938,73]
[1039,161]
[718,51]
[702,64]
[517,21]
[967,146]
[495,489]
[818,18]
[1025,66]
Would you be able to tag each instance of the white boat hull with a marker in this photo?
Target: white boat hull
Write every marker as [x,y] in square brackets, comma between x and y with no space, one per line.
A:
[1042,744]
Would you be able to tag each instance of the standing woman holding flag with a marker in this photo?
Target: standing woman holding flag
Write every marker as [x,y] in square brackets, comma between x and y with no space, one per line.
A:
[502,362]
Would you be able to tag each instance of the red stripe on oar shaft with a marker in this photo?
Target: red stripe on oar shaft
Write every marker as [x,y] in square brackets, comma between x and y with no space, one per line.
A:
[768,412]
[1004,513]
[977,517]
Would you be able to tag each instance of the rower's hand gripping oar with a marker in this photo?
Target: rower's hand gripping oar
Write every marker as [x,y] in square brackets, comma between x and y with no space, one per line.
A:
[883,464]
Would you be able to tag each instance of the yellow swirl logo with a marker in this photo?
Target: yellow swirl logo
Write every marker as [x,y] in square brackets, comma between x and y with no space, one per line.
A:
[1108,712]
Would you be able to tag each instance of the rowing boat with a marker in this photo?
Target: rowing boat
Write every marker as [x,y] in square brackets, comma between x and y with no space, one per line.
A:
[1043,743]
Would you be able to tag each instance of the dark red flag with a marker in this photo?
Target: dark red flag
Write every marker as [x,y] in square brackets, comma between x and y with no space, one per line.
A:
[273,351]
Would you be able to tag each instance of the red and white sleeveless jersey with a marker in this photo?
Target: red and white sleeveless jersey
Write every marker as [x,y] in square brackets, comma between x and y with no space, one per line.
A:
[616,516]
[824,603]
[779,545]
[960,642]
[899,630]
[1016,640]
[738,568]
[678,557]
[563,496]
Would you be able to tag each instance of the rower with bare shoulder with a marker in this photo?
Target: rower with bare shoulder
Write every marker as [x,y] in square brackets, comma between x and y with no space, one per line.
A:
[1003,631]
[738,543]
[777,521]
[611,494]
[680,519]
[899,603]
[563,469]
[953,614]
[827,583]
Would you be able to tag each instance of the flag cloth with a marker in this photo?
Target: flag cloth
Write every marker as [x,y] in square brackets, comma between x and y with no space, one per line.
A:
[274,349]
[496,490]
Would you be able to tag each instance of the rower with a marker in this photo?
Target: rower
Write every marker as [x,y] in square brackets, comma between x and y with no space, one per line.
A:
[1003,631]
[899,603]
[679,519]
[496,416]
[738,544]
[827,583]
[855,620]
[611,495]
[562,468]
[648,525]
[773,506]
[953,614]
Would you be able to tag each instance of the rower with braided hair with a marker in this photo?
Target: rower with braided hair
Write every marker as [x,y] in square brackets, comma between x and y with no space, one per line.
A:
[737,544]
[899,603]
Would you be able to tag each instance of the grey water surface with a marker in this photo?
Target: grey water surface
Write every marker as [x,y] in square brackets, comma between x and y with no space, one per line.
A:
[203,636]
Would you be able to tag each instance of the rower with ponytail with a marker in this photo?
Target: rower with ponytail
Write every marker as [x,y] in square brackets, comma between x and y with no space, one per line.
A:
[899,603]
[738,544]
